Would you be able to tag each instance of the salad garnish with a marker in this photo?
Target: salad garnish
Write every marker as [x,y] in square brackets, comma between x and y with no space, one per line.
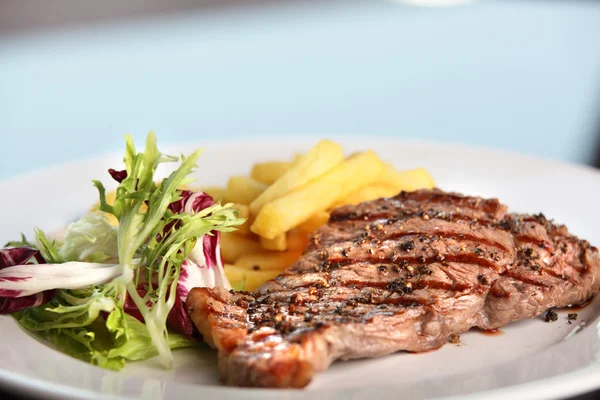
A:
[108,294]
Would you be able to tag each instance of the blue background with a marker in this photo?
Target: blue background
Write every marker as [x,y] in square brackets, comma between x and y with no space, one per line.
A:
[519,75]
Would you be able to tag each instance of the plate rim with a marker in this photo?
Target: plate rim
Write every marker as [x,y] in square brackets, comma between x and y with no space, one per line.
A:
[167,146]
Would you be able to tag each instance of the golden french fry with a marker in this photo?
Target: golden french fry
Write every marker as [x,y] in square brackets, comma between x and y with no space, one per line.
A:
[242,189]
[296,207]
[244,279]
[409,180]
[268,260]
[317,161]
[233,246]
[279,243]
[366,193]
[315,221]
[268,172]
[297,239]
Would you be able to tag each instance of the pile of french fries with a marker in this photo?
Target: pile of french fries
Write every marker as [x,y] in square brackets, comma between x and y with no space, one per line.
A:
[285,201]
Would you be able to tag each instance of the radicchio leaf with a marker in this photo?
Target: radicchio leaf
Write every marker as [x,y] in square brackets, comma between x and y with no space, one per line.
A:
[191,202]
[118,176]
[189,276]
[9,300]
[178,319]
[129,306]
[17,256]
[203,268]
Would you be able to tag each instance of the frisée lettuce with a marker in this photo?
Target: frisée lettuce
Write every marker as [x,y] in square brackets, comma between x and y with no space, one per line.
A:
[109,294]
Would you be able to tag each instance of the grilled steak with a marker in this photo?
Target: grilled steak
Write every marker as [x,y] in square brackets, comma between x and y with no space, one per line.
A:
[403,273]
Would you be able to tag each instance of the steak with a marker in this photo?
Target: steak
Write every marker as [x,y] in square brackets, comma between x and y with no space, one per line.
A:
[403,273]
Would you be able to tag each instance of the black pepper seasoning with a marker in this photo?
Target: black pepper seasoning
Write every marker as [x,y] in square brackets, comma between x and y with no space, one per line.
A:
[551,316]
[529,252]
[424,270]
[483,279]
[408,245]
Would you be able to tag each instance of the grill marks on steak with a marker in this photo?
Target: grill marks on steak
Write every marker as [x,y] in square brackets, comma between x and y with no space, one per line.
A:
[394,274]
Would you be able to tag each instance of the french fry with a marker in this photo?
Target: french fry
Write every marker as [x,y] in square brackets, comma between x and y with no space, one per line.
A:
[268,260]
[242,189]
[319,194]
[315,221]
[317,161]
[243,212]
[409,180]
[366,193]
[279,243]
[297,239]
[244,279]
[233,246]
[268,172]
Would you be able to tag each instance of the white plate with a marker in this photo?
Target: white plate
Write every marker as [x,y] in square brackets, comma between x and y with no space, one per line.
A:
[530,359]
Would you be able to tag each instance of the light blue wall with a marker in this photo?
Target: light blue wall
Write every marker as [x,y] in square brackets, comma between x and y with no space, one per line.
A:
[522,75]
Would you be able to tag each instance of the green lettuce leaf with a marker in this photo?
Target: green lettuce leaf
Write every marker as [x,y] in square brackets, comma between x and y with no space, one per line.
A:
[20,243]
[91,238]
[48,248]
[108,343]
[133,339]
[66,310]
